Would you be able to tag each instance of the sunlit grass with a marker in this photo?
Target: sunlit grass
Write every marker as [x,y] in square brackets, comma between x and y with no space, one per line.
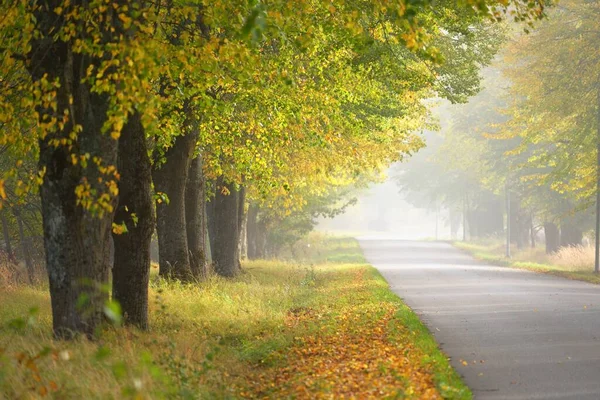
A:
[207,340]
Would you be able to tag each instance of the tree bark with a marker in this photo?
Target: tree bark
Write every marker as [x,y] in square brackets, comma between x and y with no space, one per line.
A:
[597,216]
[552,237]
[262,240]
[454,217]
[131,268]
[251,231]
[570,233]
[519,224]
[532,231]
[464,218]
[195,218]
[241,218]
[488,218]
[210,220]
[6,235]
[226,236]
[171,178]
[25,247]
[75,238]
[244,238]
[256,233]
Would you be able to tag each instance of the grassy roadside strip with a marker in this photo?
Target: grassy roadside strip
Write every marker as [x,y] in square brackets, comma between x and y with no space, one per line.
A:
[316,329]
[491,254]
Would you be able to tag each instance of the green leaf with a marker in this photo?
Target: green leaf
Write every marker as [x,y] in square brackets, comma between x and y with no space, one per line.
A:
[18,324]
[102,353]
[119,370]
[112,310]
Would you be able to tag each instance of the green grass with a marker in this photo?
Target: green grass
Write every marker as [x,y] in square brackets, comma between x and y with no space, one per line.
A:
[492,252]
[205,340]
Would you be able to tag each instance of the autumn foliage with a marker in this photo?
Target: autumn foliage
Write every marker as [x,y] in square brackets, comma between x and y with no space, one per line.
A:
[364,353]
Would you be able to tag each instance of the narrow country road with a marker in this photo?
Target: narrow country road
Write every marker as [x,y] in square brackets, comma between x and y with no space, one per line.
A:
[524,335]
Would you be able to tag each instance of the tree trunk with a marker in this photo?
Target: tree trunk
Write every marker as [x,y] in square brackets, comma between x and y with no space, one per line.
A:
[532,231]
[241,200]
[552,237]
[75,242]
[131,268]
[488,217]
[226,236]
[76,233]
[195,218]
[519,224]
[472,224]
[210,219]
[597,216]
[75,238]
[464,218]
[570,233]
[251,231]
[6,235]
[244,238]
[25,247]
[454,217]
[171,178]
[261,240]
[256,232]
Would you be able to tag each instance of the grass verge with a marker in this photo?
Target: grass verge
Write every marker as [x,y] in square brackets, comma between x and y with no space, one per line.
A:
[328,327]
[493,252]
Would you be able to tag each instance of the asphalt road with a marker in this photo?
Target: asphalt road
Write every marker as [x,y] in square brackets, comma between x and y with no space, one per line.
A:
[523,335]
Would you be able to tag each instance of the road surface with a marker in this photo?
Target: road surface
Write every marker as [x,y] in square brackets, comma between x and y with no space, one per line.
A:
[524,335]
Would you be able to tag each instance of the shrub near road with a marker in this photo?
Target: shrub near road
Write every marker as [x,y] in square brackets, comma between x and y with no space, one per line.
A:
[319,329]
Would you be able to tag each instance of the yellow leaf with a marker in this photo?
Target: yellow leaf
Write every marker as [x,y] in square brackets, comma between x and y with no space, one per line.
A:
[31,365]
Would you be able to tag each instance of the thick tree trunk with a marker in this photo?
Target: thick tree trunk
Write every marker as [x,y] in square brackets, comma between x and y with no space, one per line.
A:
[552,237]
[131,269]
[75,238]
[571,233]
[76,243]
[226,236]
[25,247]
[195,217]
[6,235]
[171,178]
[519,224]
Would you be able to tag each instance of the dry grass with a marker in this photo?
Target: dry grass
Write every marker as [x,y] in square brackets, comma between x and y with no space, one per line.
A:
[575,258]
[575,262]
[13,274]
